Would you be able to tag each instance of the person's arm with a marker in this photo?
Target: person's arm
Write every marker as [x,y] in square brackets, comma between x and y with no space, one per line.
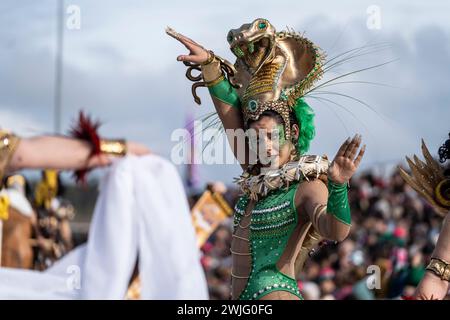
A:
[327,206]
[433,286]
[223,95]
[57,152]
[314,204]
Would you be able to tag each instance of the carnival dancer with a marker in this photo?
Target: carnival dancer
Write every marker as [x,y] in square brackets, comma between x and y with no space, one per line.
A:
[140,214]
[291,200]
[432,182]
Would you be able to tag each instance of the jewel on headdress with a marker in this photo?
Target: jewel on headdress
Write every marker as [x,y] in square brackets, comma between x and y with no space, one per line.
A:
[252,105]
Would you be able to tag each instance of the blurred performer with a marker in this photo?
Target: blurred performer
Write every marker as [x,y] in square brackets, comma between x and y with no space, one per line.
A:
[16,248]
[141,211]
[54,237]
[432,182]
[288,205]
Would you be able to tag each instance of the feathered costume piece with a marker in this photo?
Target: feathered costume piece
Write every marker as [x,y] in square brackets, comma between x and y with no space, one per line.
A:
[428,179]
[86,129]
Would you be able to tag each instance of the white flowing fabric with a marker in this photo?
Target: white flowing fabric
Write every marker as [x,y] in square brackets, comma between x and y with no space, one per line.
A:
[141,213]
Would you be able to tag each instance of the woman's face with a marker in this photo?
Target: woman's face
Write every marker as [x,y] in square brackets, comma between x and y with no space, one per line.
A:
[267,140]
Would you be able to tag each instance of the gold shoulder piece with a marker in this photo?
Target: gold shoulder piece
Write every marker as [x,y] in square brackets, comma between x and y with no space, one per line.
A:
[427,178]
[307,167]
[8,144]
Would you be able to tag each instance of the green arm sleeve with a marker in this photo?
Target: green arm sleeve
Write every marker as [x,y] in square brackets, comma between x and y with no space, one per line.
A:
[338,205]
[224,92]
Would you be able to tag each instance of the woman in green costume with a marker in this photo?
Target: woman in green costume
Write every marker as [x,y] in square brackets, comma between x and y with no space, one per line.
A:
[291,201]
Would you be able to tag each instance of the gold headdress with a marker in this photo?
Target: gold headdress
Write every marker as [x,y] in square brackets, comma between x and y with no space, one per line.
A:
[274,68]
[428,179]
[272,71]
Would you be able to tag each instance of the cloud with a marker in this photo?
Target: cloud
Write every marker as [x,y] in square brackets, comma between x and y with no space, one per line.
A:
[21,124]
[121,68]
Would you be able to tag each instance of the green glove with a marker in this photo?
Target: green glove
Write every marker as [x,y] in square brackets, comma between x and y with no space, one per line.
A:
[338,205]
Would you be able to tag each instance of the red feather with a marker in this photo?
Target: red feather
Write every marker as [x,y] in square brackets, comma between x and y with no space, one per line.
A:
[86,129]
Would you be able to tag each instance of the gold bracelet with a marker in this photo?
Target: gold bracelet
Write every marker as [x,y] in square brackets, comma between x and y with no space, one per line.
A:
[211,57]
[210,84]
[113,147]
[439,267]
[212,71]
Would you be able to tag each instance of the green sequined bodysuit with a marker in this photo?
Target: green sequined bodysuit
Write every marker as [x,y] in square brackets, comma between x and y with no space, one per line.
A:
[273,220]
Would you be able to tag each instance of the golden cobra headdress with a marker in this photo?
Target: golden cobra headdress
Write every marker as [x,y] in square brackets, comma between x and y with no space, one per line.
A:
[274,69]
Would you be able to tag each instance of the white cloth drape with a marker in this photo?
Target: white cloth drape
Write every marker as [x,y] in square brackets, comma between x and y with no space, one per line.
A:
[141,213]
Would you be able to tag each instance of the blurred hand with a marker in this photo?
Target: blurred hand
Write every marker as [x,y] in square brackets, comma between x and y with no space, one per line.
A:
[137,149]
[197,54]
[431,288]
[344,164]
[101,160]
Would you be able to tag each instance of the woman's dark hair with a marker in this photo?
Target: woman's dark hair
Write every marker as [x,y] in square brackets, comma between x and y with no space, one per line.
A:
[444,151]
[444,155]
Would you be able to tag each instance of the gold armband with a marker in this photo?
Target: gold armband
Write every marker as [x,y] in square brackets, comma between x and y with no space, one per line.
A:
[215,82]
[210,59]
[211,71]
[8,144]
[440,268]
[113,147]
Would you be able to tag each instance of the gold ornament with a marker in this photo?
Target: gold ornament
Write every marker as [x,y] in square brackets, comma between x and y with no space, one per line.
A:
[427,178]
[275,80]
[440,267]
[306,167]
[113,147]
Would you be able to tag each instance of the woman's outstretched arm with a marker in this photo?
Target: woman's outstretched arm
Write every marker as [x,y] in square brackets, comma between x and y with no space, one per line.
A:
[57,152]
[432,286]
[223,95]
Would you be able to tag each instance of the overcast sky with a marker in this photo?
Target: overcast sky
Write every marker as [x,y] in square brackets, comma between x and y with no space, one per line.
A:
[121,67]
